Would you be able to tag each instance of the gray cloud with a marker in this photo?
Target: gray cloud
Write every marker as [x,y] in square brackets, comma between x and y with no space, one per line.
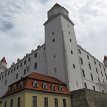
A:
[5,25]
[21,25]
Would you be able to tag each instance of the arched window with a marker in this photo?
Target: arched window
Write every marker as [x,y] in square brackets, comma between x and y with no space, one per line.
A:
[44,85]
[60,88]
[52,87]
[21,84]
[35,84]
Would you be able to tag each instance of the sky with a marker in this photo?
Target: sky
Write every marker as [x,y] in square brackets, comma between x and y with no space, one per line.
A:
[22,29]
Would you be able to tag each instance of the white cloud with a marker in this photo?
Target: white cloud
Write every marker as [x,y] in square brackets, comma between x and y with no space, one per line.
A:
[21,25]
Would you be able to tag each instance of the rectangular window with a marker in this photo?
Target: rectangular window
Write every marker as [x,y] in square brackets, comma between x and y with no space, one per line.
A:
[64,102]
[29,59]
[94,88]
[101,73]
[85,85]
[34,101]
[56,102]
[83,73]
[89,66]
[35,55]
[5,103]
[35,65]
[45,101]
[97,70]
[24,71]
[91,76]
[24,62]
[11,103]
[81,61]
[18,103]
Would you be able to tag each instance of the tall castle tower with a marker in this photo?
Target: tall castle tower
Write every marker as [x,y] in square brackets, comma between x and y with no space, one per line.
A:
[61,48]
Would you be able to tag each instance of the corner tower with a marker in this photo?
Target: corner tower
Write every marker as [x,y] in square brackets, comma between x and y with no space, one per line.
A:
[61,48]
[3,65]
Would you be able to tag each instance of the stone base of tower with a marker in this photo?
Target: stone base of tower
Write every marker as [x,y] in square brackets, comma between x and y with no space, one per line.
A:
[88,98]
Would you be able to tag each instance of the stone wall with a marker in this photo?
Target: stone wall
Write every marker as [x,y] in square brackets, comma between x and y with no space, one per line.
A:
[88,98]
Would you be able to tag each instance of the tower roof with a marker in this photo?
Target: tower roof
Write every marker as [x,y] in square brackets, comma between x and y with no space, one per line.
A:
[57,9]
[3,60]
[56,5]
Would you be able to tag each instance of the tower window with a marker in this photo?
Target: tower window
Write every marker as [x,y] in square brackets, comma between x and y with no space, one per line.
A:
[52,33]
[74,66]
[70,40]
[71,52]
[53,40]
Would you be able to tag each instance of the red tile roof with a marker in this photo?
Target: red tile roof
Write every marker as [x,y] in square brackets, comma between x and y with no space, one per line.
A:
[40,79]
[43,77]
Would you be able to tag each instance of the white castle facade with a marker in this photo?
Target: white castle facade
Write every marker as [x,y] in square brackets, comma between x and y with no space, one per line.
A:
[60,57]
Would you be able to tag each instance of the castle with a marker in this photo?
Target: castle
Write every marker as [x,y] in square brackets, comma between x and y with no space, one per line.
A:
[60,56]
